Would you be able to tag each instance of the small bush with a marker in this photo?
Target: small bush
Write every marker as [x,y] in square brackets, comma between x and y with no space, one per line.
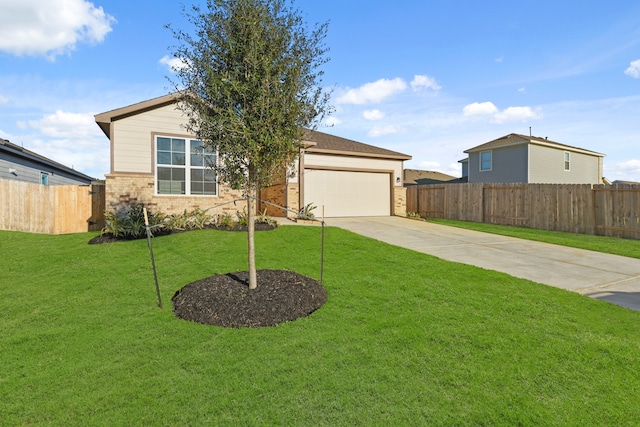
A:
[414,215]
[306,212]
[226,220]
[243,218]
[263,218]
[196,219]
[129,223]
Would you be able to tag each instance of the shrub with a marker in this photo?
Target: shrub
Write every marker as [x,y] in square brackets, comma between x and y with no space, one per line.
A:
[263,218]
[225,220]
[129,223]
[196,219]
[306,212]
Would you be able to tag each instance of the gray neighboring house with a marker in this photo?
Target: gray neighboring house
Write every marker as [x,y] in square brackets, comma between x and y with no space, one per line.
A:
[20,164]
[530,159]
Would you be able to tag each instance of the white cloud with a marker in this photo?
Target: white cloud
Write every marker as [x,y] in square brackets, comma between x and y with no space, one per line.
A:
[62,124]
[3,100]
[427,82]
[373,115]
[499,59]
[332,121]
[634,69]
[384,130]
[513,114]
[628,170]
[522,90]
[479,109]
[52,27]
[429,165]
[174,64]
[372,92]
[72,139]
[509,114]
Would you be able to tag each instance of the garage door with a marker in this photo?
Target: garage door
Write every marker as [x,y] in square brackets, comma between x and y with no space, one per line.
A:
[346,193]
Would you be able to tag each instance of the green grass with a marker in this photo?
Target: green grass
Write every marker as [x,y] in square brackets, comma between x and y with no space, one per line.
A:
[610,245]
[404,339]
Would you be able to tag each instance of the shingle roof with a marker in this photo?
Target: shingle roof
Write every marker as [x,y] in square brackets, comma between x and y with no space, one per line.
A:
[330,144]
[19,151]
[515,139]
[415,176]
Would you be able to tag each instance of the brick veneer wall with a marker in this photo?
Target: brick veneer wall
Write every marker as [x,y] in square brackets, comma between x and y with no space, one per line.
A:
[285,195]
[400,201]
[293,197]
[124,189]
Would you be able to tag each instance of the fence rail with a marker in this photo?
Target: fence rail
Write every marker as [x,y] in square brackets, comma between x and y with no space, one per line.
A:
[576,208]
[55,209]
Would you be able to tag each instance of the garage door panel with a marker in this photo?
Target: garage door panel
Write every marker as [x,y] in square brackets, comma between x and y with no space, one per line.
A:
[345,193]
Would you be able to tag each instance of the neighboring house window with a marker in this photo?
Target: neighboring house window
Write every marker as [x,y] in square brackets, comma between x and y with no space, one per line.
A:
[183,167]
[485,161]
[567,160]
[44,178]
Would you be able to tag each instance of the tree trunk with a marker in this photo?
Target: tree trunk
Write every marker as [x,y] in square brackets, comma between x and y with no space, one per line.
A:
[253,281]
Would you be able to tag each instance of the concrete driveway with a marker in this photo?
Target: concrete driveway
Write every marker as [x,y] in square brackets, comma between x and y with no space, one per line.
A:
[601,276]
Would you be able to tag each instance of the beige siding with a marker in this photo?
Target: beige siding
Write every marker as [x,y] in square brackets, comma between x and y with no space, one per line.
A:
[547,167]
[353,163]
[133,141]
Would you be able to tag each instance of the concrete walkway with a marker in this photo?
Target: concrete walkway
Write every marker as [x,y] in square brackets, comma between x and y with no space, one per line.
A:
[606,277]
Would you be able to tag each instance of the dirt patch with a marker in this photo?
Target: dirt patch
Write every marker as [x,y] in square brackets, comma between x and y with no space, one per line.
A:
[226,300]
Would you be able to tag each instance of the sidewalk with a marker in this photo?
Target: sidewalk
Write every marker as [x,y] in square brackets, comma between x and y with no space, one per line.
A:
[601,276]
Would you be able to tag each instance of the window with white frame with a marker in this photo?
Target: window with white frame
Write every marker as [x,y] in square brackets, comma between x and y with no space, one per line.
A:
[567,161]
[183,167]
[485,161]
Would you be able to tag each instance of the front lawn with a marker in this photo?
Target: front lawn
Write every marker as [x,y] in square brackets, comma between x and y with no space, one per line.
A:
[609,245]
[403,339]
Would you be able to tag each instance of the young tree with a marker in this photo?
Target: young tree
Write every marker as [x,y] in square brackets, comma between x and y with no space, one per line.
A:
[249,84]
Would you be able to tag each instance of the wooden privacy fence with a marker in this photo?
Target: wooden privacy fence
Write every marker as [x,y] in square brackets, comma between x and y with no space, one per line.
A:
[603,210]
[51,209]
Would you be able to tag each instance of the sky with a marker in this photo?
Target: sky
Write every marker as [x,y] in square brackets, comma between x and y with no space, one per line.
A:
[427,78]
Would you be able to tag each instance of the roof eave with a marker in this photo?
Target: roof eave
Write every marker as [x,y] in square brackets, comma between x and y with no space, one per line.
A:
[358,154]
[105,119]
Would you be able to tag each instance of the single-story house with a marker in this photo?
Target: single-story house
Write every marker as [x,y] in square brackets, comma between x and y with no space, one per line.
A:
[20,164]
[149,165]
[530,159]
[423,177]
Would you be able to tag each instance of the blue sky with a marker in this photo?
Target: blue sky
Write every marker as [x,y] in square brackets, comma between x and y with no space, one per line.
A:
[426,78]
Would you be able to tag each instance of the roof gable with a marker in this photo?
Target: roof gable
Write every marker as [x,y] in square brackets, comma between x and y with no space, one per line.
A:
[516,139]
[105,119]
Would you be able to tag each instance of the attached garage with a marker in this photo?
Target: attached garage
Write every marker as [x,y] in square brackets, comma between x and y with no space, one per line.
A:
[349,178]
[348,193]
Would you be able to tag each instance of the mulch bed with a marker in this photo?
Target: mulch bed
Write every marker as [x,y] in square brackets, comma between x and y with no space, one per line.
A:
[109,238]
[226,300]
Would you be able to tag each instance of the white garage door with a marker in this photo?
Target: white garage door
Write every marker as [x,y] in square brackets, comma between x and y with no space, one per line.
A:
[345,193]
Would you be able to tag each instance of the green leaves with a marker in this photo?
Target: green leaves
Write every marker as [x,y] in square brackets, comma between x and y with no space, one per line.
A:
[253,83]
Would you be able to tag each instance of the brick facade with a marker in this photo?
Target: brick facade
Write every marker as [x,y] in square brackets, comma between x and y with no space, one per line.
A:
[399,201]
[286,195]
[124,189]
